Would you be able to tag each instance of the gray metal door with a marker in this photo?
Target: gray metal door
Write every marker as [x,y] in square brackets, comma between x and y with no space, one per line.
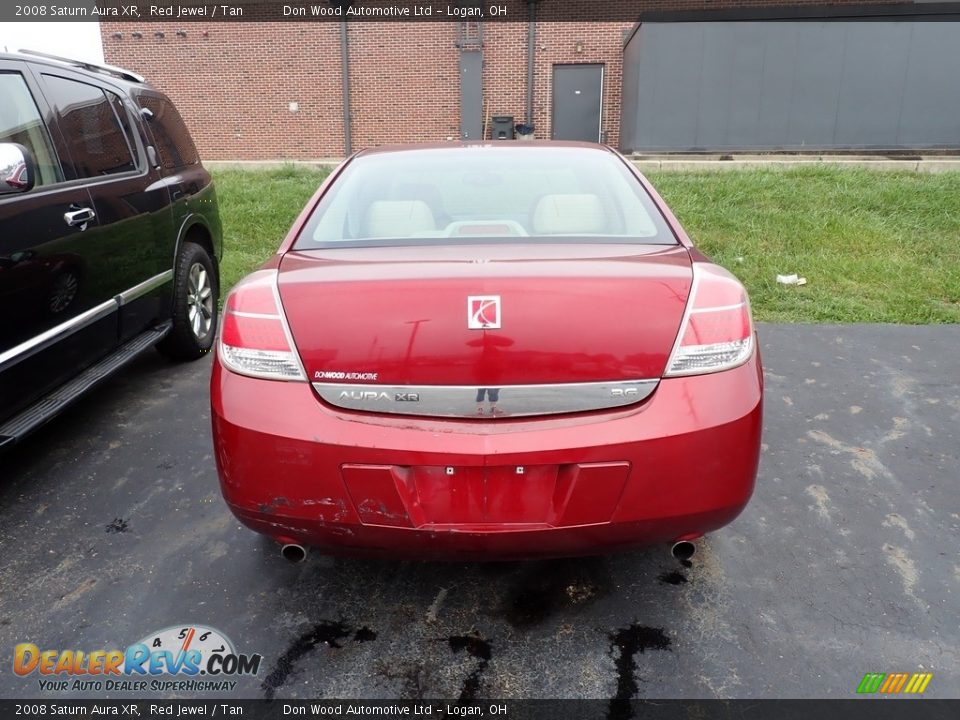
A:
[471,95]
[577,102]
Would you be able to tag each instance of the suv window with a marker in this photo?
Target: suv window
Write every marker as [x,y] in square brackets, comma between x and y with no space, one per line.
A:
[20,122]
[123,115]
[91,128]
[174,145]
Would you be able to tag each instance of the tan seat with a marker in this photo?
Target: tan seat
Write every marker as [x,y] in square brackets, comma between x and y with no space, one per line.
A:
[398,218]
[571,214]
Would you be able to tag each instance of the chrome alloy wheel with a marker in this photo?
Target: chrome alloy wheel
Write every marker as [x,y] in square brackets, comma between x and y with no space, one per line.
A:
[199,300]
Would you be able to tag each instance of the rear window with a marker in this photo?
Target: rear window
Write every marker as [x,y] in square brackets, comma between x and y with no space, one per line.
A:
[173,141]
[91,127]
[469,195]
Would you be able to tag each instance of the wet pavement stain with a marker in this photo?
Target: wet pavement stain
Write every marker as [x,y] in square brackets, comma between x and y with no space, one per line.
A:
[412,673]
[477,647]
[118,525]
[326,633]
[364,634]
[673,578]
[552,587]
[629,641]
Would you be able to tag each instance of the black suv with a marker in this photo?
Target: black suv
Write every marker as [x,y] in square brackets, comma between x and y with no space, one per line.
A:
[109,233]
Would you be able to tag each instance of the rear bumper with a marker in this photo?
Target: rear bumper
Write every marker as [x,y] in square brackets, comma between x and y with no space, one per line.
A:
[681,464]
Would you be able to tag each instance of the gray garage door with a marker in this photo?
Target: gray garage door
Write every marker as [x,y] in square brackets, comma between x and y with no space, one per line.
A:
[791,85]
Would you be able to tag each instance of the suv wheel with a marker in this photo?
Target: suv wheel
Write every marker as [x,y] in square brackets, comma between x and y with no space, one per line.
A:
[196,293]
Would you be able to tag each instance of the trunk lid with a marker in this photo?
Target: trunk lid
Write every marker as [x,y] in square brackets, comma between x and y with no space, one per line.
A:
[566,314]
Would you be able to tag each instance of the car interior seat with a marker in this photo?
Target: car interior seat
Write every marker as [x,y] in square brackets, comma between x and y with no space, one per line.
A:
[398,218]
[569,214]
[429,194]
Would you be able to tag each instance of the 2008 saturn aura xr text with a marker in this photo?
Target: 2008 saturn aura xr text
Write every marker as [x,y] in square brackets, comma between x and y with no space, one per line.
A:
[486,351]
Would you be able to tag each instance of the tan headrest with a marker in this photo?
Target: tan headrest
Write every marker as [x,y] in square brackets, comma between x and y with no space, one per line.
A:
[398,218]
[578,214]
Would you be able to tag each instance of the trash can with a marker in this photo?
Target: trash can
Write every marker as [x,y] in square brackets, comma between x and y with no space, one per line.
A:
[501,127]
[524,132]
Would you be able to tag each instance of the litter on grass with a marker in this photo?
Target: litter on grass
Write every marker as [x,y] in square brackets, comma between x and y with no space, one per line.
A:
[791,279]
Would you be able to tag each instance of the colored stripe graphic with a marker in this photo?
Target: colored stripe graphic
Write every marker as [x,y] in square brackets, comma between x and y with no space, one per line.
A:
[871,682]
[926,678]
[895,683]
[900,682]
[889,682]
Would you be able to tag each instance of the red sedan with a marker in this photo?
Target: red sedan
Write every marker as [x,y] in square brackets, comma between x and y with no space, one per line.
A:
[486,351]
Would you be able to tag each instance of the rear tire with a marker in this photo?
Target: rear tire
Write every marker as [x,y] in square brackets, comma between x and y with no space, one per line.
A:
[196,293]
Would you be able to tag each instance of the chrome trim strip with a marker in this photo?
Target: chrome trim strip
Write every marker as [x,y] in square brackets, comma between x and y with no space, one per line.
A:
[719,308]
[123,73]
[143,288]
[460,401]
[255,316]
[88,317]
[48,337]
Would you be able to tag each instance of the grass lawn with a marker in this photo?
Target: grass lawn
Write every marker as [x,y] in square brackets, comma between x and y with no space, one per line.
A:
[257,207]
[874,246]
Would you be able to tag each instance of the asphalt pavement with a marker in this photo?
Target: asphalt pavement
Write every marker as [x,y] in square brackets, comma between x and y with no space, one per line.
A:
[845,562]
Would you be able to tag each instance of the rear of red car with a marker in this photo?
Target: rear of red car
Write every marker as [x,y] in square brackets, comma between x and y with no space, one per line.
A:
[487,352]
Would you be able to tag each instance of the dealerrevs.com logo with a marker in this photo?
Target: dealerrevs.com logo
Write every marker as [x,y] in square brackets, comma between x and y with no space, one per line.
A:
[184,658]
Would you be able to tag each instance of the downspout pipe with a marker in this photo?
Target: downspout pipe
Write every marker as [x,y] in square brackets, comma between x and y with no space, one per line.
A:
[531,47]
[345,72]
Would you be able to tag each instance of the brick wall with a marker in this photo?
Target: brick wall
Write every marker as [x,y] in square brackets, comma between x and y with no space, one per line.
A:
[234,82]
[404,83]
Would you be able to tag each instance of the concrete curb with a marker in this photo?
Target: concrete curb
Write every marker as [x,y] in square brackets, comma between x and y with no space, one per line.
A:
[694,163]
[325,163]
[685,163]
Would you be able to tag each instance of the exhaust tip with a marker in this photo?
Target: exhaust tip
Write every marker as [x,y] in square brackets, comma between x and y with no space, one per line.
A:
[683,550]
[293,553]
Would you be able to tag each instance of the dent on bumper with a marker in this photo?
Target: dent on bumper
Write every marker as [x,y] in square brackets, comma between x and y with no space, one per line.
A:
[681,464]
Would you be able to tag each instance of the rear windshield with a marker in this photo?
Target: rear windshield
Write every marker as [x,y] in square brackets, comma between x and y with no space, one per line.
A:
[484,195]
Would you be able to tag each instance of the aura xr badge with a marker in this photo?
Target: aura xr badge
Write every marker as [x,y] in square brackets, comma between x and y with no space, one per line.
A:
[483,311]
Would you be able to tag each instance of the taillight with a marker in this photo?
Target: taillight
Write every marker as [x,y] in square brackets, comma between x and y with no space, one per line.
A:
[717,329]
[254,337]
